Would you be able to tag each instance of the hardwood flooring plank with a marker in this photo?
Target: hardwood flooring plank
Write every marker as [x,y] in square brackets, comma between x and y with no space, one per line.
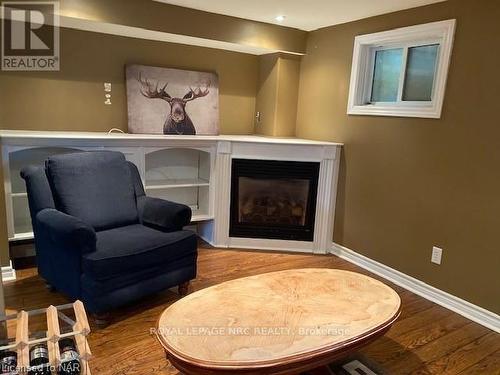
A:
[463,357]
[401,342]
[489,365]
[435,350]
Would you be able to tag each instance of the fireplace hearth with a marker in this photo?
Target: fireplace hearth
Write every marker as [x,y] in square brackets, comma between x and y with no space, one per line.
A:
[273,199]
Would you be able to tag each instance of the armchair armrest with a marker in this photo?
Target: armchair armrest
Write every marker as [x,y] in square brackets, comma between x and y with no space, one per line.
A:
[163,214]
[66,231]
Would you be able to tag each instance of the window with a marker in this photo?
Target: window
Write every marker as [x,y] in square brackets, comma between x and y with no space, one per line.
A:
[401,72]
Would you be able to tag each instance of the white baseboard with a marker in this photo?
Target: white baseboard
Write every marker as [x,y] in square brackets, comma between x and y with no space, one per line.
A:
[8,273]
[269,244]
[470,311]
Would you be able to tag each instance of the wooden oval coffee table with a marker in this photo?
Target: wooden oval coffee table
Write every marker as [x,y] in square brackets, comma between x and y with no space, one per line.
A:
[281,322]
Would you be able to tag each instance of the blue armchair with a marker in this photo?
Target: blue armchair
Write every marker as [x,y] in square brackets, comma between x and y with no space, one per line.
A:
[99,238]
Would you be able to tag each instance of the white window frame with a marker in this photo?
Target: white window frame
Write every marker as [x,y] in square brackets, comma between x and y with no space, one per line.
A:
[363,63]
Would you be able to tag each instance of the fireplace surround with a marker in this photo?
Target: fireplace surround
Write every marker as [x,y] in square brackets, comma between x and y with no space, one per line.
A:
[273,199]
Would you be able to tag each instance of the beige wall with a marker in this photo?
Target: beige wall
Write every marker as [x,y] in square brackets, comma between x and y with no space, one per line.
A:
[267,95]
[288,92]
[157,16]
[277,95]
[73,99]
[407,184]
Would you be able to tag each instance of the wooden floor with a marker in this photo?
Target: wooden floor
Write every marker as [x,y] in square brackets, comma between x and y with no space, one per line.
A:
[427,339]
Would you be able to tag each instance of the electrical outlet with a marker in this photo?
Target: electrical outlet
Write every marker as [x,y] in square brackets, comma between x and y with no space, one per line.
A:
[437,253]
[107,90]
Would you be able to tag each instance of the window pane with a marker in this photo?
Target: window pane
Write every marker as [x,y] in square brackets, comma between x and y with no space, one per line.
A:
[386,75]
[420,68]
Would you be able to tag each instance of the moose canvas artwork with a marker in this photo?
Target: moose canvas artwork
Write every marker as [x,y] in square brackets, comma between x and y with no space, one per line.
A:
[172,101]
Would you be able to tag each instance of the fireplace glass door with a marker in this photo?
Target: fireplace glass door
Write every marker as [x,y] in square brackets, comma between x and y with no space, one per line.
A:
[273,199]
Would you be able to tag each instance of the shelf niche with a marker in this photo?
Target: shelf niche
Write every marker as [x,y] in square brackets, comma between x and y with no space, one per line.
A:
[180,175]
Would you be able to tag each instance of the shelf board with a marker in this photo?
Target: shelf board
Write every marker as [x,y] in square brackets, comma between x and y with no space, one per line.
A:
[200,217]
[19,195]
[22,236]
[197,216]
[176,183]
[29,235]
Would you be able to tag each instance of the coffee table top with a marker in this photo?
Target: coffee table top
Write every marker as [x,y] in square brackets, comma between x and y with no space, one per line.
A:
[276,317]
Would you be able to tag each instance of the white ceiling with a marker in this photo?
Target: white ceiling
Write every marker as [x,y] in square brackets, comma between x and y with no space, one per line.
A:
[302,14]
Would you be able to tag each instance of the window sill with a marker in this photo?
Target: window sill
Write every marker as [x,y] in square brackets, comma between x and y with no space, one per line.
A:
[395,111]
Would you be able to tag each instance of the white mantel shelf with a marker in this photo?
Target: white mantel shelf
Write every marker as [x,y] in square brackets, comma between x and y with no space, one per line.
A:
[20,135]
[159,158]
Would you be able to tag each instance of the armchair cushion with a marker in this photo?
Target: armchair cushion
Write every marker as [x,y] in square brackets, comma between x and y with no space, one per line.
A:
[95,186]
[66,231]
[162,214]
[133,248]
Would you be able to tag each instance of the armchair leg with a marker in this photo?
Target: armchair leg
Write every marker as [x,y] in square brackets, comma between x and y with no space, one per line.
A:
[101,320]
[184,288]
[50,288]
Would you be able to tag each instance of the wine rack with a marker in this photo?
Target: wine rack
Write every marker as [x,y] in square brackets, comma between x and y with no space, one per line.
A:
[79,329]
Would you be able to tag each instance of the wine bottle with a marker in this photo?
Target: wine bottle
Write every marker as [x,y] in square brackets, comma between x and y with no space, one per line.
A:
[39,360]
[8,362]
[70,359]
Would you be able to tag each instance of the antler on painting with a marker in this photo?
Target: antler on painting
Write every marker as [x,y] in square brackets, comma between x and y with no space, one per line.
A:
[196,93]
[149,92]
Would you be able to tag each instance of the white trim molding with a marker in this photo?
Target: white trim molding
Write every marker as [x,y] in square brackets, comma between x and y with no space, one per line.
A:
[8,273]
[359,102]
[470,311]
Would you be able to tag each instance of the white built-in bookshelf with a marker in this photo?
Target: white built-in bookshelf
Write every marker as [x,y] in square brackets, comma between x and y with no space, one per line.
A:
[178,174]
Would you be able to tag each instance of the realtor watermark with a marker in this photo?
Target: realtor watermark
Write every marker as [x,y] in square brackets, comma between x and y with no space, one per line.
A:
[30,35]
[64,368]
[249,331]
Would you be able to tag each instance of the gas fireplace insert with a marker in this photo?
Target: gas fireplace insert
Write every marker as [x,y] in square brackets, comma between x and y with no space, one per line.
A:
[273,199]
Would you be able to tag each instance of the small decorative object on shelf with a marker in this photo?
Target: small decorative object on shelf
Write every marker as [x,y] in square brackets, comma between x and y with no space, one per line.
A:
[60,350]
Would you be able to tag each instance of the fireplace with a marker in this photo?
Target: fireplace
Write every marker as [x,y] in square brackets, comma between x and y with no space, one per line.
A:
[273,199]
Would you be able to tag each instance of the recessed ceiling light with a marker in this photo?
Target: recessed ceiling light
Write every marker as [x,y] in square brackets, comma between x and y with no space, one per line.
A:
[280,18]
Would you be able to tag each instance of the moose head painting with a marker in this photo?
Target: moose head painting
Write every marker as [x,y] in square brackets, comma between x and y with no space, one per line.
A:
[188,102]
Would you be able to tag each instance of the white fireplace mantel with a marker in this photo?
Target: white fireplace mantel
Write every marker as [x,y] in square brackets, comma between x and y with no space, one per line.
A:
[213,182]
[20,136]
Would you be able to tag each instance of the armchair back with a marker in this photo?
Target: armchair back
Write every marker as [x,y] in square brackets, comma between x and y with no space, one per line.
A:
[96,187]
